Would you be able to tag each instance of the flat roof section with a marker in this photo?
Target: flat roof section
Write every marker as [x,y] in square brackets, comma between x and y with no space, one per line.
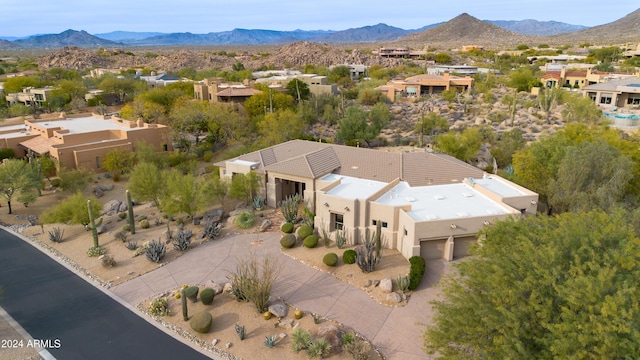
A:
[85,125]
[353,188]
[439,202]
[497,186]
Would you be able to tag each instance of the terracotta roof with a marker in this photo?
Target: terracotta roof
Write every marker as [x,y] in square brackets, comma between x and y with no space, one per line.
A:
[39,144]
[551,75]
[241,92]
[313,160]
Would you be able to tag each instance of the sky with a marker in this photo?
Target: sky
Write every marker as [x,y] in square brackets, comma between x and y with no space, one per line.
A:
[23,18]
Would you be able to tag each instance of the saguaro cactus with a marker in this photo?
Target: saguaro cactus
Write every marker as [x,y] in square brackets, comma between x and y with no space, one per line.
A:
[185,310]
[94,226]
[132,223]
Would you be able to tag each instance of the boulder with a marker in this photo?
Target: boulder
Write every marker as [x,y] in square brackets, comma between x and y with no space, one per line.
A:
[279,309]
[394,297]
[333,335]
[264,225]
[102,229]
[386,285]
[123,207]
[111,207]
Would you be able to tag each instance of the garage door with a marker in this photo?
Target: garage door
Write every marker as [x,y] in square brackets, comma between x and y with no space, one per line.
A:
[432,249]
[461,246]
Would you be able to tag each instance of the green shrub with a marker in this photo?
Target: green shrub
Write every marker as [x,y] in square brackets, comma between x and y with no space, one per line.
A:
[330,259]
[55,182]
[245,219]
[416,272]
[310,241]
[122,215]
[207,295]
[144,224]
[159,307]
[304,231]
[288,241]
[201,322]
[349,256]
[287,228]
[96,251]
[191,293]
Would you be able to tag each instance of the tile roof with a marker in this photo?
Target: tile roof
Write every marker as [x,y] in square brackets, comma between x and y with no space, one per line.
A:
[313,160]
[234,91]
[39,144]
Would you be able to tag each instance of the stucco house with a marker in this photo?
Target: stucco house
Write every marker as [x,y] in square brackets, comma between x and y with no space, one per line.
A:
[623,93]
[81,142]
[430,205]
[425,84]
[29,96]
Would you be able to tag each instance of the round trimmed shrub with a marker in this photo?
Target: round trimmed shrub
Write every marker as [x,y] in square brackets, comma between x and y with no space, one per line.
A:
[144,224]
[287,228]
[310,241]
[245,219]
[330,259]
[207,295]
[304,231]
[288,241]
[191,293]
[201,322]
[349,256]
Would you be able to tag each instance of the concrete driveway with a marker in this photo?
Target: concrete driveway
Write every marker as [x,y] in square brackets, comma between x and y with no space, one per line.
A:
[397,332]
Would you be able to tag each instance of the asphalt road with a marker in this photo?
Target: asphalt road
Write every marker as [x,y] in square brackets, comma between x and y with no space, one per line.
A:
[73,318]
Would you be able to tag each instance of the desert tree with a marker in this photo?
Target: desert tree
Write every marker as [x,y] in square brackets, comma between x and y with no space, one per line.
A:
[147,183]
[431,124]
[18,180]
[185,193]
[72,210]
[544,288]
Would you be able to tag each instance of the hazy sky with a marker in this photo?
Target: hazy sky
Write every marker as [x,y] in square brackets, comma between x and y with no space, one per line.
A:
[21,18]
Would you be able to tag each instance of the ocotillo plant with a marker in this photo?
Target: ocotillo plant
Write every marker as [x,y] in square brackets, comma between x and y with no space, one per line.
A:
[132,223]
[378,238]
[94,226]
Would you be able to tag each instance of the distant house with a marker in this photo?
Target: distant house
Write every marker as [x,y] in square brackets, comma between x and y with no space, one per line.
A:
[318,84]
[462,70]
[217,90]
[29,96]
[159,80]
[399,52]
[425,84]
[579,78]
[82,142]
[428,204]
[623,93]
[356,71]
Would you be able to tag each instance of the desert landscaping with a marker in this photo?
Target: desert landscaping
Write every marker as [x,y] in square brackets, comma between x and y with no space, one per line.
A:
[226,311]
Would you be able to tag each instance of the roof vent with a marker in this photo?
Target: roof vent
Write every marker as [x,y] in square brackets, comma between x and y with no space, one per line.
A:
[467,195]
[439,197]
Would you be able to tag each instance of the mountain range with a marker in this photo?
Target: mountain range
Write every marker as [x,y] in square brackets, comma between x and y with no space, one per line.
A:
[462,29]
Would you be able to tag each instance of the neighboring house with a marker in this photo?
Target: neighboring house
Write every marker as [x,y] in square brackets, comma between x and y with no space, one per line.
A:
[556,58]
[160,80]
[425,84]
[29,96]
[399,52]
[623,93]
[463,70]
[217,90]
[632,53]
[430,205]
[356,71]
[578,79]
[318,85]
[82,142]
[467,48]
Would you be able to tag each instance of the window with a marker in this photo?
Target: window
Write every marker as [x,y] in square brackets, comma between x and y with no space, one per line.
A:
[605,98]
[405,232]
[382,224]
[337,221]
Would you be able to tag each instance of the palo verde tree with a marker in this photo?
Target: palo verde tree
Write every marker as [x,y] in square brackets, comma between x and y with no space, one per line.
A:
[185,193]
[431,124]
[358,124]
[561,287]
[18,180]
[72,210]
[147,183]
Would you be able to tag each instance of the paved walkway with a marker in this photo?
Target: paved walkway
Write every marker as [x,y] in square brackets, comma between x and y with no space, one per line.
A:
[397,332]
